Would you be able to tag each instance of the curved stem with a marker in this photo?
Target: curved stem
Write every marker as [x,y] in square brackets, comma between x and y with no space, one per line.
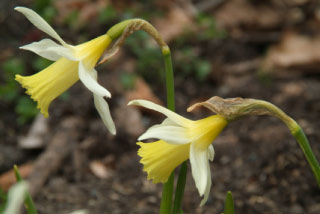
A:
[304,145]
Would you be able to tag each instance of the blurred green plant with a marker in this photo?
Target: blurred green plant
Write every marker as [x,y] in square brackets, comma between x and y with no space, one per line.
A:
[229,204]
[189,63]
[128,80]
[148,64]
[72,20]
[265,77]
[3,200]
[10,91]
[107,14]
[209,28]
[45,9]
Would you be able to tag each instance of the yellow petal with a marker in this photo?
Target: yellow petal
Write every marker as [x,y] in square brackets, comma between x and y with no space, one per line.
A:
[160,158]
[49,83]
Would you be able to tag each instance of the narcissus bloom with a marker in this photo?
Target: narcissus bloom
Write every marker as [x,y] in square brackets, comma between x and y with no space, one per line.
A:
[179,139]
[71,63]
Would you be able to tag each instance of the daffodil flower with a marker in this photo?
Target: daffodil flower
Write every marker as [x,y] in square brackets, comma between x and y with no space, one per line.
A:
[179,139]
[71,63]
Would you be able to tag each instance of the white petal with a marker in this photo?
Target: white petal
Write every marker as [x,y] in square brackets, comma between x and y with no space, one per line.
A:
[169,133]
[208,187]
[170,114]
[104,112]
[63,51]
[211,153]
[168,121]
[40,23]
[89,79]
[199,167]
[49,49]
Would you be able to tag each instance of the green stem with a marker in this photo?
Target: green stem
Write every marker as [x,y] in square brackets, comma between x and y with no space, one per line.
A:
[166,199]
[169,78]
[167,189]
[304,144]
[181,183]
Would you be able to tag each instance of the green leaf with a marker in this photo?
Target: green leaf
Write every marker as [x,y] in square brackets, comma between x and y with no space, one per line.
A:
[229,206]
[3,200]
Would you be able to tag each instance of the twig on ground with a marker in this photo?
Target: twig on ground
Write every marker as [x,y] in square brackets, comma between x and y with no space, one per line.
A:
[59,147]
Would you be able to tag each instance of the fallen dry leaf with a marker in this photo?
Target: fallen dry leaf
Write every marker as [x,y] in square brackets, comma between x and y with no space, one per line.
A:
[294,50]
[87,9]
[142,91]
[8,178]
[175,23]
[36,135]
[100,170]
[244,14]
[129,119]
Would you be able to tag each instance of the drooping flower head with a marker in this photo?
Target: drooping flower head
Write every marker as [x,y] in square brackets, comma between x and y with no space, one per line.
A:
[71,63]
[179,139]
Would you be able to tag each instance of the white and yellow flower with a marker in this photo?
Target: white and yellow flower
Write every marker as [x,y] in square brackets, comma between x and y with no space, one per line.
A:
[71,64]
[179,139]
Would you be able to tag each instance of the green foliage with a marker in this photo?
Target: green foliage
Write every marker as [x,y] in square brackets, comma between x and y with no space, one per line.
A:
[127,80]
[72,19]
[210,28]
[40,63]
[45,9]
[229,205]
[40,5]
[202,69]
[26,109]
[265,77]
[3,200]
[149,63]
[10,91]
[190,63]
[106,14]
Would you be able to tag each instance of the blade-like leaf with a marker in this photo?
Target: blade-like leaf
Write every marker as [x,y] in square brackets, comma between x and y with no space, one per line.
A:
[229,206]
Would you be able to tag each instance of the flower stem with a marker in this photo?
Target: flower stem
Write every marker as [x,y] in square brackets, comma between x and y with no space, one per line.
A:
[304,145]
[181,183]
[167,189]
[169,78]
